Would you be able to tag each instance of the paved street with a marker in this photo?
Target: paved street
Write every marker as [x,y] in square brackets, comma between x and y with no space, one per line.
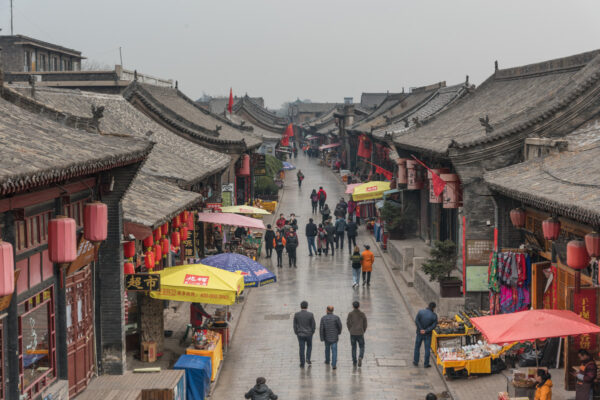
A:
[264,343]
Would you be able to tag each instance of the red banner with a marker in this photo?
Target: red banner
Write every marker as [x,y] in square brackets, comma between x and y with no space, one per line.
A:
[365,147]
[584,304]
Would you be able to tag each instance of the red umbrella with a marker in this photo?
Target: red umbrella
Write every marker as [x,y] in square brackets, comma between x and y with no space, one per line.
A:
[530,325]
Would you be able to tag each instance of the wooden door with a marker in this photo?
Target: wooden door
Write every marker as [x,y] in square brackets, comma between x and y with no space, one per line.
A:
[538,283]
[80,330]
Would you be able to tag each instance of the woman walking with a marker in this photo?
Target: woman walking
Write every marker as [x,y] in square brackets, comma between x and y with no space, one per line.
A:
[355,263]
[543,385]
[314,201]
[367,259]
[326,213]
[279,244]
[321,240]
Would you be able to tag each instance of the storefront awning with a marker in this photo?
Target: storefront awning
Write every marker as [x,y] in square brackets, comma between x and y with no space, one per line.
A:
[231,219]
[328,146]
[311,137]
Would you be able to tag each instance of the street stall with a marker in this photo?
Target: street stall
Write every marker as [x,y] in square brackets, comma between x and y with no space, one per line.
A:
[249,244]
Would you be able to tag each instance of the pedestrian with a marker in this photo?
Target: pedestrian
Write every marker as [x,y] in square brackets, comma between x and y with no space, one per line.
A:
[342,207]
[426,321]
[240,232]
[295,151]
[260,391]
[280,223]
[325,212]
[340,228]
[367,259]
[196,314]
[304,328]
[279,244]
[300,177]
[321,240]
[322,197]
[543,385]
[330,330]
[311,233]
[585,374]
[269,236]
[314,201]
[352,231]
[218,239]
[291,245]
[351,209]
[357,326]
[330,229]
[355,263]
[292,222]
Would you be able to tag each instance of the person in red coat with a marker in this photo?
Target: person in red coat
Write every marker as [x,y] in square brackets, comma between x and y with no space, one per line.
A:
[280,223]
[322,197]
[585,374]
[196,314]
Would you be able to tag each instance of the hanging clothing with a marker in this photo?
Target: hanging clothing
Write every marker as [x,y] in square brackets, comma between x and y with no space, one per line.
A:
[493,283]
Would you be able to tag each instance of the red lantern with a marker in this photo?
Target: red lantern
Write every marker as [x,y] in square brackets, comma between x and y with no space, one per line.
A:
[432,197]
[592,244]
[62,240]
[7,269]
[452,194]
[175,239]
[551,228]
[577,255]
[244,169]
[190,222]
[157,253]
[183,233]
[175,222]
[402,177]
[95,221]
[415,175]
[128,268]
[149,260]
[165,229]
[129,249]
[148,242]
[156,234]
[517,217]
[165,247]
[183,216]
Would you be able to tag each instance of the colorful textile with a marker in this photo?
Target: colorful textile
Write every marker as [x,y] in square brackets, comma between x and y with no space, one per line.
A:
[493,283]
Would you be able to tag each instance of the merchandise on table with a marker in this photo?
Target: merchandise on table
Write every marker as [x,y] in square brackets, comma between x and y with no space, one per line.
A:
[469,352]
[447,326]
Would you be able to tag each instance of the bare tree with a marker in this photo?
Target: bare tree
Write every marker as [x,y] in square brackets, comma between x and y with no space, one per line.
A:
[95,65]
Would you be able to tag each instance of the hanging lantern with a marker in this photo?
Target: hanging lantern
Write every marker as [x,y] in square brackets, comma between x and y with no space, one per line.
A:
[175,222]
[157,253]
[95,222]
[244,169]
[432,197]
[517,217]
[7,269]
[551,228]
[128,268]
[149,259]
[415,175]
[148,242]
[175,239]
[577,255]
[183,233]
[165,229]
[129,249]
[62,240]
[165,247]
[592,244]
[183,217]
[156,234]
[190,221]
[452,194]
[402,174]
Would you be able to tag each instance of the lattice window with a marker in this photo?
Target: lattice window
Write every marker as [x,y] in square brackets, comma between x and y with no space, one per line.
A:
[33,231]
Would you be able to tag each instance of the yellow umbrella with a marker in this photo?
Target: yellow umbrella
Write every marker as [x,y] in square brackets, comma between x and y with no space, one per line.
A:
[199,283]
[370,190]
[244,210]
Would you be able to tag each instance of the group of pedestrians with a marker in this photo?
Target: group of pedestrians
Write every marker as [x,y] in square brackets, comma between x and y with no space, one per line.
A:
[362,262]
[330,329]
[285,237]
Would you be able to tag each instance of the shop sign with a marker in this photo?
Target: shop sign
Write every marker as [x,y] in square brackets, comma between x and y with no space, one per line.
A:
[197,280]
[213,206]
[187,244]
[227,194]
[86,253]
[477,278]
[142,282]
[260,165]
[584,305]
[5,300]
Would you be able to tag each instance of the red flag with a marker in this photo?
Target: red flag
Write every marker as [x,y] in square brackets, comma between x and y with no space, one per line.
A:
[364,147]
[438,183]
[230,104]
[388,175]
[285,141]
[289,131]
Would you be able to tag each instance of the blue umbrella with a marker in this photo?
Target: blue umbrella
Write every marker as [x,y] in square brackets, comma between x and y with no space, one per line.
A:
[287,165]
[255,274]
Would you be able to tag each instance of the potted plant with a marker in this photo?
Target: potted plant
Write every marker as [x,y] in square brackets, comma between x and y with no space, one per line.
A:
[399,221]
[439,266]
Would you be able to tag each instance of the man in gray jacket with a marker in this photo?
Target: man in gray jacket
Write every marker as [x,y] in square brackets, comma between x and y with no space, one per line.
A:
[330,330]
[357,326]
[304,328]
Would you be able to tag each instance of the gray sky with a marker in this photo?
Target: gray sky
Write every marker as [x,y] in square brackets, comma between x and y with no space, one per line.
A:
[322,50]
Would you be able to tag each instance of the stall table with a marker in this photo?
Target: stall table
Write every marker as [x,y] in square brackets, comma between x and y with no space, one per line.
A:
[475,366]
[215,352]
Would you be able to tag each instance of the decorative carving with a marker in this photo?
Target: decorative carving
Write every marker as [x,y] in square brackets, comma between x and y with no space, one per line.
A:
[135,75]
[486,124]
[467,80]
[97,112]
[416,121]
[218,128]
[176,84]
[496,65]
[387,119]
[406,123]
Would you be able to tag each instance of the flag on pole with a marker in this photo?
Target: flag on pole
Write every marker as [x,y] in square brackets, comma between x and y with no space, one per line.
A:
[285,141]
[438,183]
[289,131]
[230,104]
[364,147]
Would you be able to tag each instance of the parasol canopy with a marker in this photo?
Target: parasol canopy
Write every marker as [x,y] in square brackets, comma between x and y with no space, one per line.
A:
[370,190]
[231,219]
[199,283]
[530,325]
[350,188]
[254,273]
[288,166]
[244,210]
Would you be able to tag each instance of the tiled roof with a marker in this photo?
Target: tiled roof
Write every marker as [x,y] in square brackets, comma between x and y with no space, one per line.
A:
[514,99]
[258,115]
[314,107]
[256,130]
[36,150]
[567,183]
[373,100]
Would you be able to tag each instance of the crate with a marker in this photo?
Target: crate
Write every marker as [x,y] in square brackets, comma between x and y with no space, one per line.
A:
[148,352]
[164,385]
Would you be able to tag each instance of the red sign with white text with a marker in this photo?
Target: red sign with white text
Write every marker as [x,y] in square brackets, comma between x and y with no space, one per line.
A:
[371,188]
[584,305]
[197,280]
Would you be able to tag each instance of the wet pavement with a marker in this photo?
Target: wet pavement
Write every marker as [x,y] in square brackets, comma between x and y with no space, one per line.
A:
[264,342]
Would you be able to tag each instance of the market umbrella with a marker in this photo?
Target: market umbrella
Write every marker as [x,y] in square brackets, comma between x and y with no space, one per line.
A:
[350,188]
[254,273]
[288,166]
[198,283]
[231,219]
[244,210]
[370,190]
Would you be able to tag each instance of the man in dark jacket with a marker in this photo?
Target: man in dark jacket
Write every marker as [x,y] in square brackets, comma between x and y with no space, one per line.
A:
[260,391]
[304,328]
[311,234]
[340,227]
[291,246]
[352,231]
[269,236]
[330,229]
[357,326]
[329,331]
[426,321]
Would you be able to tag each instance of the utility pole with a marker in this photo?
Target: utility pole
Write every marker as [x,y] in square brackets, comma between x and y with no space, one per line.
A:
[11,18]
[120,54]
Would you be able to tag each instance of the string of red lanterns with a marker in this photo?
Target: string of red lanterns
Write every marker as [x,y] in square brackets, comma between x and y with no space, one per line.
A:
[7,269]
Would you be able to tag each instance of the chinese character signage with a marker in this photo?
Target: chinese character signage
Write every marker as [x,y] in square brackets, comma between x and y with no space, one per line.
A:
[214,207]
[187,244]
[260,165]
[197,280]
[227,194]
[584,304]
[142,282]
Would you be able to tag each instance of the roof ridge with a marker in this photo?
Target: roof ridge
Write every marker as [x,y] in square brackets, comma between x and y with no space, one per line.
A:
[576,61]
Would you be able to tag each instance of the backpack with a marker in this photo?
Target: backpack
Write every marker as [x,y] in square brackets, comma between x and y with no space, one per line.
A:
[322,234]
[314,197]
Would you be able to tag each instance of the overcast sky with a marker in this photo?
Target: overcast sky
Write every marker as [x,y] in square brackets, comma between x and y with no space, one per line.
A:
[321,50]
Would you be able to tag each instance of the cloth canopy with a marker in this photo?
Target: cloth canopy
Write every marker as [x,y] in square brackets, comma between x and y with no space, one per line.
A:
[288,166]
[244,210]
[231,219]
[328,146]
[199,283]
[350,187]
[254,273]
[370,190]
[529,325]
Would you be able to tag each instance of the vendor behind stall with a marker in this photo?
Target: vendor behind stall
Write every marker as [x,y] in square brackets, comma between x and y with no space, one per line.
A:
[240,232]
[196,314]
